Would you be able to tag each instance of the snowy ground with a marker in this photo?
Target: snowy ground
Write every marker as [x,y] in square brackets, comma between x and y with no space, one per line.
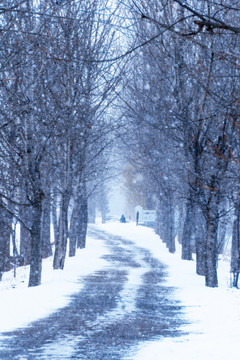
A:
[20,305]
[213,314]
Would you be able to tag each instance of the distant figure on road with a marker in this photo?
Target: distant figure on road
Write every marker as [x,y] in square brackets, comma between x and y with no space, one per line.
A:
[137,217]
[122,219]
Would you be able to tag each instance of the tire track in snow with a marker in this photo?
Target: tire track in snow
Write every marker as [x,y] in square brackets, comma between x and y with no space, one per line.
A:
[127,296]
[117,308]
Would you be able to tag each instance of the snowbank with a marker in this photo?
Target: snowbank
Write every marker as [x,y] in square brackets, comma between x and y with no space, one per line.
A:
[20,305]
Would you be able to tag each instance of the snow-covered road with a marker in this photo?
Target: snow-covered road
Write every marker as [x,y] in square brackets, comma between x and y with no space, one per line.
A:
[119,306]
[129,267]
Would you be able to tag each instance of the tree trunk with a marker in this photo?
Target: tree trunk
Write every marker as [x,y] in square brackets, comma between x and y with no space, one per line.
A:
[78,226]
[55,217]
[235,252]
[200,245]
[162,220]
[170,225]
[36,245]
[211,279]
[45,228]
[25,237]
[75,218]
[61,243]
[5,227]
[180,224]
[222,237]
[188,232]
[201,255]
[83,221]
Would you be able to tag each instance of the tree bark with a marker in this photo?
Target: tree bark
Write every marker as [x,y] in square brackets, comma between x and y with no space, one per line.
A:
[201,255]
[61,243]
[36,245]
[45,228]
[211,279]
[83,221]
[55,217]
[188,232]
[25,236]
[5,227]
[235,252]
[163,219]
[170,229]
[200,245]
[180,224]
[75,218]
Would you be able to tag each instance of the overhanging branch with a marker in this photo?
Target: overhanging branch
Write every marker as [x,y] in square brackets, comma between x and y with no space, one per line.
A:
[208,21]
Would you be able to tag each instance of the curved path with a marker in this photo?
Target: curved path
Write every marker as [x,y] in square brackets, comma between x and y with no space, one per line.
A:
[119,307]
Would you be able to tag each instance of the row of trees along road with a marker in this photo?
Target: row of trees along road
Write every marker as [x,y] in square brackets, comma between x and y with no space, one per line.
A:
[55,129]
[181,100]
